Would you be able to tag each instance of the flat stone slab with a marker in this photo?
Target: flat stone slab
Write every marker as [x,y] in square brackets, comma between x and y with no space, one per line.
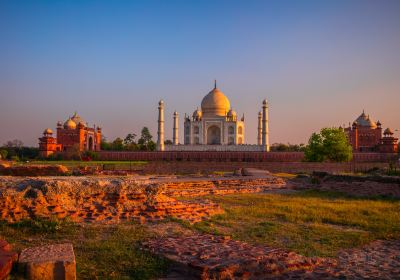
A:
[48,262]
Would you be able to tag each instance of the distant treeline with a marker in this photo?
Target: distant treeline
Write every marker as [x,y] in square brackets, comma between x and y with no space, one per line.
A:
[15,150]
[129,143]
[280,147]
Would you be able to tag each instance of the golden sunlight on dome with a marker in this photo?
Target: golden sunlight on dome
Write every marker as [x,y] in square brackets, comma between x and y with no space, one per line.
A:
[215,103]
[48,131]
[70,124]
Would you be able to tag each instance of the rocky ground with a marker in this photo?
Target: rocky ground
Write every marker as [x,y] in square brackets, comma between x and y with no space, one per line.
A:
[112,199]
[204,256]
[363,186]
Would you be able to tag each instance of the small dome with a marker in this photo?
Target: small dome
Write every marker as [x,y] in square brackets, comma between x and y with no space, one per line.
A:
[197,114]
[59,123]
[77,119]
[70,124]
[231,113]
[48,131]
[265,102]
[388,131]
[215,103]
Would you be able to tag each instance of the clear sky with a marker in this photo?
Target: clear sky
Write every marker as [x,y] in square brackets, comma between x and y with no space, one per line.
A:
[319,63]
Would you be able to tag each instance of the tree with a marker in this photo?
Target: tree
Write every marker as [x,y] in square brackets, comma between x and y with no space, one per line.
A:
[280,147]
[331,144]
[168,142]
[145,142]
[105,145]
[130,139]
[74,152]
[14,144]
[117,144]
[129,142]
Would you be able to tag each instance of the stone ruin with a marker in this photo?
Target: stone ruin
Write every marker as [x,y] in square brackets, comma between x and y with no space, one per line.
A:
[48,262]
[204,256]
[94,200]
[114,199]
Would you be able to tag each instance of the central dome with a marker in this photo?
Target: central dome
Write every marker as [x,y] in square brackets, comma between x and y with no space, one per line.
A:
[364,120]
[215,103]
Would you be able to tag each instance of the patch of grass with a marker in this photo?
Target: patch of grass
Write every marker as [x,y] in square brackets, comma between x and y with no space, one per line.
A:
[311,223]
[286,175]
[222,173]
[102,251]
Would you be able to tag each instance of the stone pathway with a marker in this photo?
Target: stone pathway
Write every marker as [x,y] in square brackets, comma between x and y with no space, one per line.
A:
[203,256]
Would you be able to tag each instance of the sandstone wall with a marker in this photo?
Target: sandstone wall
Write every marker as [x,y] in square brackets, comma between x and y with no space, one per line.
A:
[190,167]
[249,156]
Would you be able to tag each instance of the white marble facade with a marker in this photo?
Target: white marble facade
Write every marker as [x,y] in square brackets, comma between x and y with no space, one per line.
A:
[214,127]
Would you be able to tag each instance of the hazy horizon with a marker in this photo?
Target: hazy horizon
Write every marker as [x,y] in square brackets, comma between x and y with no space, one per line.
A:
[319,63]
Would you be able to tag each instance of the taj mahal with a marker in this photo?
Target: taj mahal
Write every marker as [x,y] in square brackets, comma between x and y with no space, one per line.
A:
[214,127]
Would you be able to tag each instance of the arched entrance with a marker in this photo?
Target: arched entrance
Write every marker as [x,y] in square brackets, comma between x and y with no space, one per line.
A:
[213,135]
[90,143]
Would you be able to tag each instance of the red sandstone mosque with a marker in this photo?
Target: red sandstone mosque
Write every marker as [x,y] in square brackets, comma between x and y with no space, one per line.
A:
[366,136]
[74,132]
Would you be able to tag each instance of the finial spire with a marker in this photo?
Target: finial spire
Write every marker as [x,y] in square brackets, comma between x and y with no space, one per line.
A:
[215,84]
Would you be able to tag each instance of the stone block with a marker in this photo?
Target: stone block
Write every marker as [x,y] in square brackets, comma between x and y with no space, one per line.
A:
[7,257]
[50,262]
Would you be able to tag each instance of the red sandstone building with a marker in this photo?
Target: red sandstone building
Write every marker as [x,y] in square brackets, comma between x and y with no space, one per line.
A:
[366,136]
[74,132]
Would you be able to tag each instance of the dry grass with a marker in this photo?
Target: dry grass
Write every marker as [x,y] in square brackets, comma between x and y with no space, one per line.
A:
[311,223]
[102,251]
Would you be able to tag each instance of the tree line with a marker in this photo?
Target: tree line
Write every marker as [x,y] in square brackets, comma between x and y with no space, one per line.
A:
[330,144]
[129,143]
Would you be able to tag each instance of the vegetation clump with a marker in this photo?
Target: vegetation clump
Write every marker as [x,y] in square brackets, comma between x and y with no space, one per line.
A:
[331,144]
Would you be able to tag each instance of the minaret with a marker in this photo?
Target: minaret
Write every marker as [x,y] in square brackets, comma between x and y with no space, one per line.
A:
[175,132]
[160,133]
[259,129]
[265,130]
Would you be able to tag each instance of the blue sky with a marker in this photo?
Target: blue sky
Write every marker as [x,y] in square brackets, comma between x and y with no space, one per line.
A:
[319,63]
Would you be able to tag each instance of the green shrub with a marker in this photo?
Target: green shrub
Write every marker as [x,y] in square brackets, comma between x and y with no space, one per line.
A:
[92,155]
[3,154]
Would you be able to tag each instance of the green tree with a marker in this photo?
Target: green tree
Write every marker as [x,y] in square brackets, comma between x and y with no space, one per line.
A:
[129,142]
[130,139]
[145,142]
[168,142]
[331,144]
[105,145]
[117,144]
